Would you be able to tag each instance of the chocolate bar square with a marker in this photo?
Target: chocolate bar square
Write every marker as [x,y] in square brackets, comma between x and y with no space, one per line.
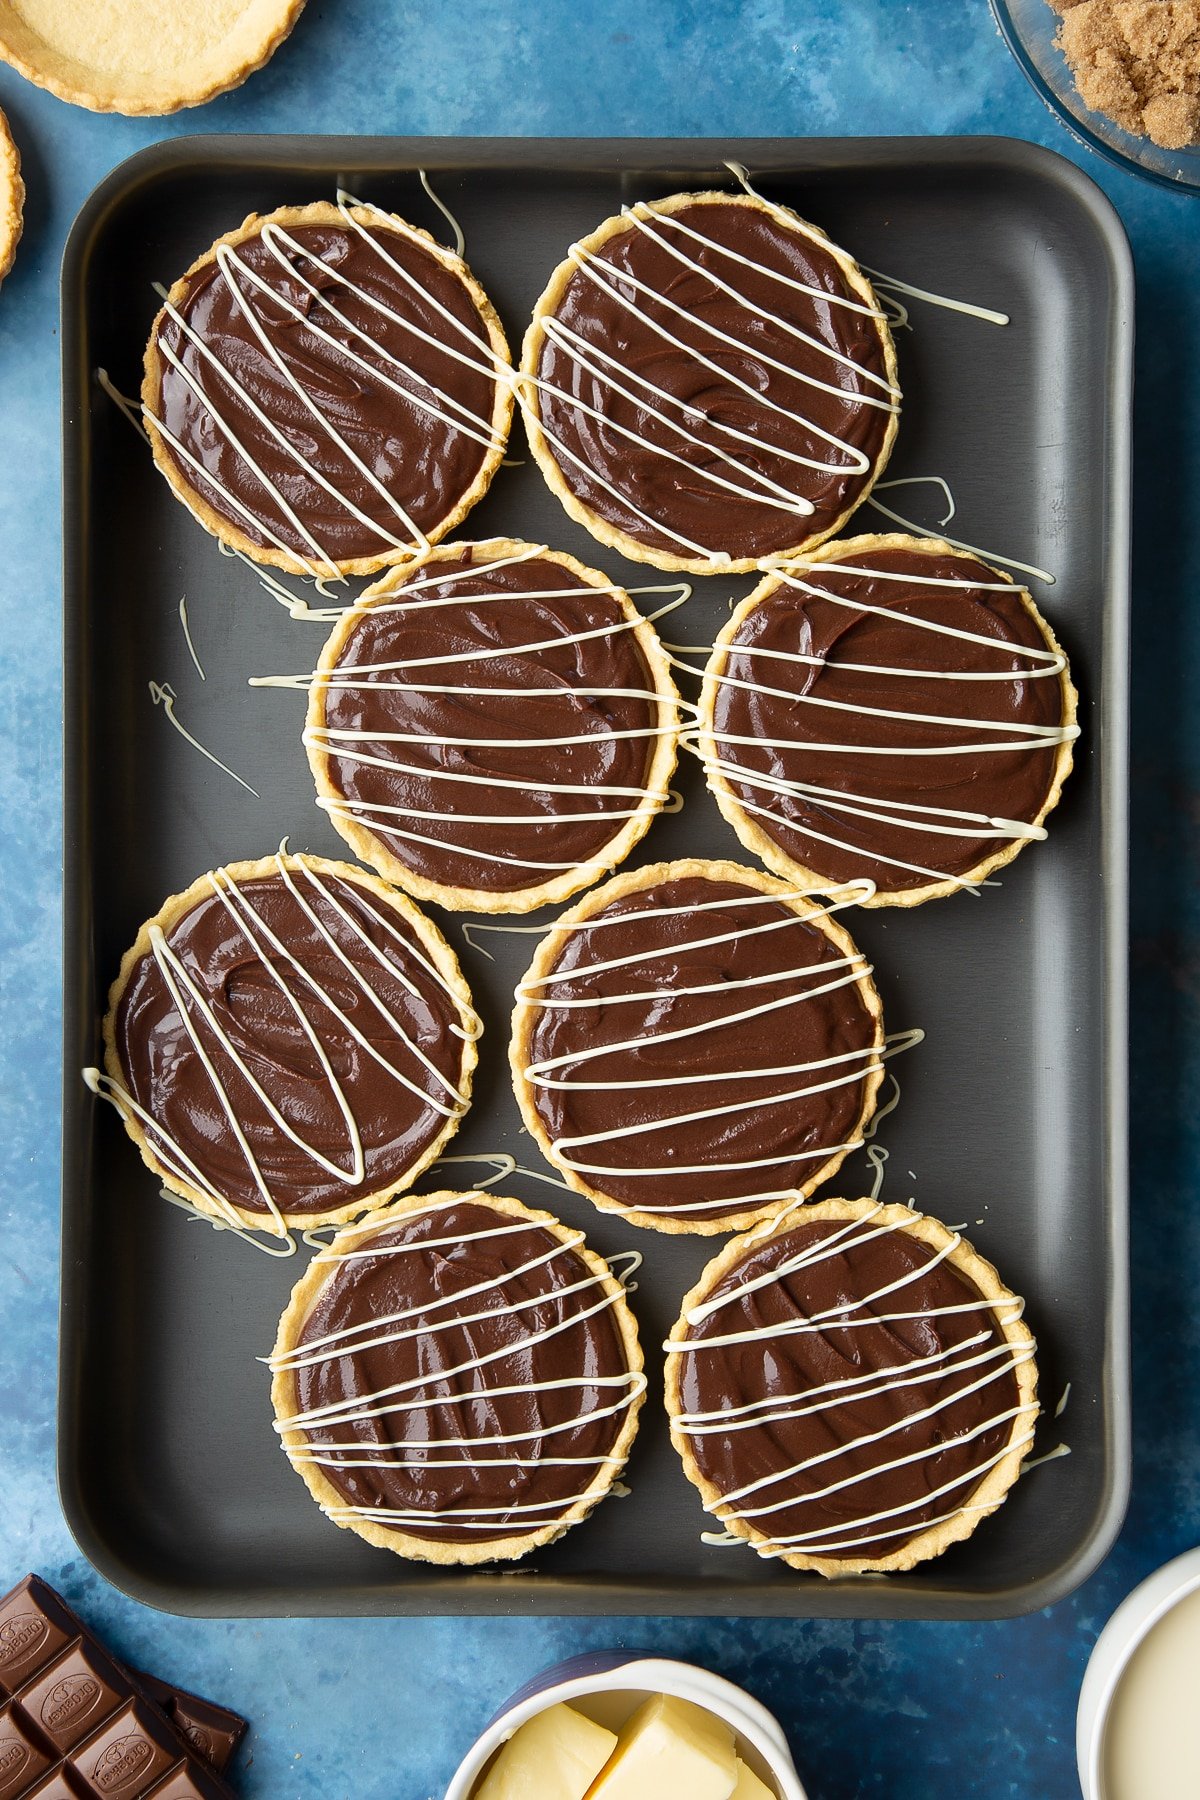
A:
[60,1784]
[22,1759]
[34,1627]
[128,1754]
[71,1698]
[190,1781]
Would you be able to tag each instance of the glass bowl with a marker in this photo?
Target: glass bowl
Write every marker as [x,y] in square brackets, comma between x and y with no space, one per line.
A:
[1029,28]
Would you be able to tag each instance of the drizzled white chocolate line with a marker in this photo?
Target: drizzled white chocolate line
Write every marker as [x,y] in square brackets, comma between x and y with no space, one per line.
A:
[422,1393]
[194,1010]
[987,556]
[378,362]
[851,1066]
[965,1359]
[741,479]
[383,818]
[164,695]
[187,633]
[1034,664]
[888,286]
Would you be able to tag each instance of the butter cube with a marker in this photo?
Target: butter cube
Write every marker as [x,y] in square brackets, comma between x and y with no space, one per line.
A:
[669,1748]
[553,1756]
[749,1787]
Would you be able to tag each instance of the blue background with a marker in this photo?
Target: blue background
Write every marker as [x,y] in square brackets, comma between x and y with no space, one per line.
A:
[382,1709]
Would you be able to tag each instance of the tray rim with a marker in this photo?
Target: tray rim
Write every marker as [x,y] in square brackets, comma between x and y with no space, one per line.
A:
[479,1595]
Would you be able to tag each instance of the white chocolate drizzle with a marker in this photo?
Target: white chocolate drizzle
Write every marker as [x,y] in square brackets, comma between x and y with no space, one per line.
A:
[270,1244]
[130,410]
[402,676]
[164,695]
[572,1304]
[989,556]
[207,1034]
[460,242]
[791,1081]
[295,605]
[687,423]
[972,1366]
[1055,1455]
[887,285]
[1033,664]
[393,528]
[187,635]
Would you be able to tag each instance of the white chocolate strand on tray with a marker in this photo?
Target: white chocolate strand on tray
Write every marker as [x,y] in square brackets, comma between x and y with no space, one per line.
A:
[267,952]
[464,824]
[1013,664]
[164,695]
[699,446]
[317,297]
[734,1002]
[887,286]
[406,1420]
[906,524]
[853,1453]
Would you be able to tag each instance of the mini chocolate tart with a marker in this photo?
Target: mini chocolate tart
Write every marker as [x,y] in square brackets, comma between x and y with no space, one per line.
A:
[328,390]
[289,1042]
[708,381]
[457,1379]
[890,709]
[852,1391]
[697,1046]
[494,730]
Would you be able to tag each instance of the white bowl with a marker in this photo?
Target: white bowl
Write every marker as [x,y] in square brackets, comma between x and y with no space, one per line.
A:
[608,1688]
[1127,1628]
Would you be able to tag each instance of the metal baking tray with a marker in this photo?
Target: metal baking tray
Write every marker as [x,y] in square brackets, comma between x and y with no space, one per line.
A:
[1012,1119]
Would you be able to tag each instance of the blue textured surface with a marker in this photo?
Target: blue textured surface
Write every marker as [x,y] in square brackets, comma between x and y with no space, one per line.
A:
[382,1709]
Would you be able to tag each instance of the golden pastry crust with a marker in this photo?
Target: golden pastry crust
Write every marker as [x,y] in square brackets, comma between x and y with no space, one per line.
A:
[526,1014]
[152,57]
[375,850]
[749,830]
[323,212]
[12,198]
[417,1549]
[544,454]
[440,955]
[987,1496]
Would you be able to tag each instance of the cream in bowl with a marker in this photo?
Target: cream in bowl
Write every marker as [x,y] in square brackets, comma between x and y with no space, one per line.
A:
[1138,1734]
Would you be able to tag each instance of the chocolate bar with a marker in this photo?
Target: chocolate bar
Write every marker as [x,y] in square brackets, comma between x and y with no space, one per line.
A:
[76,1725]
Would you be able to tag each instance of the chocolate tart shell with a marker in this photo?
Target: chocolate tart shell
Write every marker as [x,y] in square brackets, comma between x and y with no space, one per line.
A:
[373,849]
[323,212]
[997,1481]
[543,451]
[440,954]
[740,1214]
[420,1549]
[760,843]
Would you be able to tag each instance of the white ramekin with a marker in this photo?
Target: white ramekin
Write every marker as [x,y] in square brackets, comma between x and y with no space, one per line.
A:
[760,1738]
[1127,1628]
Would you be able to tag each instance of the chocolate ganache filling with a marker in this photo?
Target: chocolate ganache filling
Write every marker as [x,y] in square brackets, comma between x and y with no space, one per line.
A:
[857,1427]
[718,1066]
[245,963]
[837,665]
[534,759]
[691,397]
[504,1391]
[363,414]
